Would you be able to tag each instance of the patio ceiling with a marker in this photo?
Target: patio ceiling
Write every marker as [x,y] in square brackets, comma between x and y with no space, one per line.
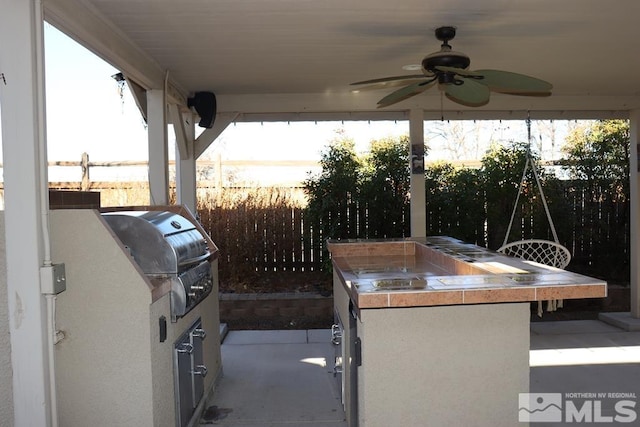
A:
[294,59]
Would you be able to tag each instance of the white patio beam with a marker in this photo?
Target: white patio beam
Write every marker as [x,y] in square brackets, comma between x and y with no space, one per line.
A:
[634,215]
[139,96]
[158,150]
[188,149]
[183,125]
[22,95]
[221,122]
[416,182]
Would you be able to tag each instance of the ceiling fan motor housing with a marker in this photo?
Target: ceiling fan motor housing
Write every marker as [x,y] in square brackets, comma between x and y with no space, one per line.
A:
[445,59]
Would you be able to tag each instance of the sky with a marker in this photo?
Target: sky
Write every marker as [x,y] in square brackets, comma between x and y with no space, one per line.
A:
[86,112]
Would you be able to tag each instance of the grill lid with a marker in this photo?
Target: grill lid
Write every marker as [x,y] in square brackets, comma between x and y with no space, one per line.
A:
[160,242]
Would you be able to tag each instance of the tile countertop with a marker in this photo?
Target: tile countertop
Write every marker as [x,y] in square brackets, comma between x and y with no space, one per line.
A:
[445,271]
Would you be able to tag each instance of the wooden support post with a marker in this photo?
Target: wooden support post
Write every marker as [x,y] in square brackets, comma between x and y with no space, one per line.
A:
[84,163]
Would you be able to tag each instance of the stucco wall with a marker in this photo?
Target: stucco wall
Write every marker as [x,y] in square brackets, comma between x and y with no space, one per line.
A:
[103,368]
[6,377]
[443,366]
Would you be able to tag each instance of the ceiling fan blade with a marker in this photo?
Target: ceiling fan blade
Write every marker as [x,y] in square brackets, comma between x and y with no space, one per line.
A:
[514,83]
[390,79]
[405,92]
[458,71]
[388,85]
[469,93]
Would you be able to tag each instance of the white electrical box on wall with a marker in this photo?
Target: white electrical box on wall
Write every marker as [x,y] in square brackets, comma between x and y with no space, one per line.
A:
[53,279]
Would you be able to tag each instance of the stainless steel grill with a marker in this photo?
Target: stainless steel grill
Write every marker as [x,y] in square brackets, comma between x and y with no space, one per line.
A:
[167,247]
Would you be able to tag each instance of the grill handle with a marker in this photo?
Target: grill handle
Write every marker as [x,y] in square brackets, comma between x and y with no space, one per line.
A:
[194,260]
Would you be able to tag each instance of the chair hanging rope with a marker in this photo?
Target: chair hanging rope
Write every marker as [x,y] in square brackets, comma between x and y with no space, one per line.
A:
[529,163]
[537,250]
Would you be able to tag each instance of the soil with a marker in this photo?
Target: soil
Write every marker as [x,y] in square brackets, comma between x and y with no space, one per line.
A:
[276,313]
[281,282]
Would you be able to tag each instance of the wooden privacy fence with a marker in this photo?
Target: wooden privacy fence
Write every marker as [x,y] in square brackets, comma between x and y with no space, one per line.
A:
[259,230]
[255,240]
[279,240]
[258,239]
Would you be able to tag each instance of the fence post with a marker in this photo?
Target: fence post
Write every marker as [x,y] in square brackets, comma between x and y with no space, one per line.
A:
[84,164]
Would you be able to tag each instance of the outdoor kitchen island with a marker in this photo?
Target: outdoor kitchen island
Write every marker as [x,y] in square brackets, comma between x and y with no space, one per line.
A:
[435,332]
[139,320]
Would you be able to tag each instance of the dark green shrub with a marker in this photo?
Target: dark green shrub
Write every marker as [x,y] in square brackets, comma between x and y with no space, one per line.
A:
[385,188]
[455,202]
[597,158]
[333,195]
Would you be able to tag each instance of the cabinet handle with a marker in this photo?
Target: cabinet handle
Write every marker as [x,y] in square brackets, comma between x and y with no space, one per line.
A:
[200,370]
[337,365]
[200,333]
[336,334]
[185,348]
[337,370]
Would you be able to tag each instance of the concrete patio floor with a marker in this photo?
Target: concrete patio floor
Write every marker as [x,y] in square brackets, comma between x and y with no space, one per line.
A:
[277,379]
[586,358]
[284,378]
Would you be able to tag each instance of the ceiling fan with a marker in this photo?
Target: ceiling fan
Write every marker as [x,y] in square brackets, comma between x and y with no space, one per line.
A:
[449,70]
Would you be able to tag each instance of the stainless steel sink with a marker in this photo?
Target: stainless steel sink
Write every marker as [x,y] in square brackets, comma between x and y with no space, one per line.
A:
[399,284]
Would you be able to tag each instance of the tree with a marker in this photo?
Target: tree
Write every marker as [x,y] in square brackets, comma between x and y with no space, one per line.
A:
[360,197]
[385,188]
[597,157]
[459,139]
[502,169]
[455,202]
[333,193]
[599,154]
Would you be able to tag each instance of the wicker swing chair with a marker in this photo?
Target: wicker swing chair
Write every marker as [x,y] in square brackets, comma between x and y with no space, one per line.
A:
[546,252]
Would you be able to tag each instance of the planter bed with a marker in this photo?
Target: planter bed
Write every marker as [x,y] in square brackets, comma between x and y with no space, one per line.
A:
[295,310]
